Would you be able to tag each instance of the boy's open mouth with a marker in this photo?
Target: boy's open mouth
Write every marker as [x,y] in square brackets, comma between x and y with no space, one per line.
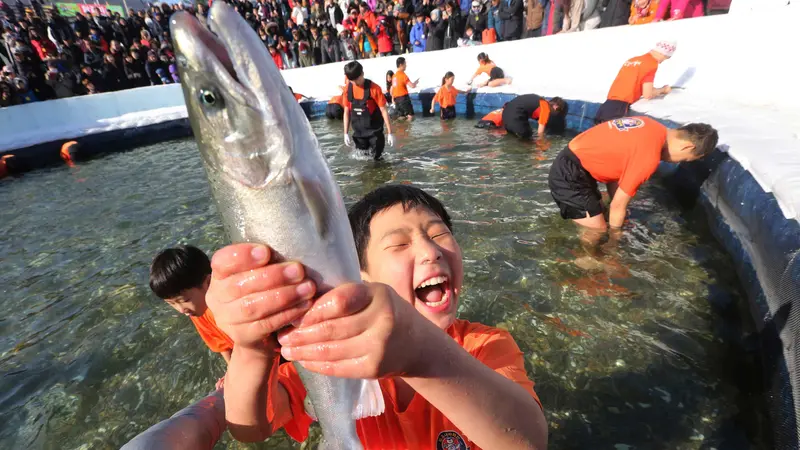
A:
[434,293]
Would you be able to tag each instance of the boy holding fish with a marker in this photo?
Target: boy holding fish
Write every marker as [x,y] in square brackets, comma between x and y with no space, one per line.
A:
[446,383]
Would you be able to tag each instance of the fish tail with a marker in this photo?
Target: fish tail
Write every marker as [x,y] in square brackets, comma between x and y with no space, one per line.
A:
[370,402]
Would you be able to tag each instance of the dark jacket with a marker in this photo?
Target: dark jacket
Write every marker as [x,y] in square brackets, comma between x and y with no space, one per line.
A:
[453,30]
[478,23]
[115,78]
[338,15]
[136,73]
[151,67]
[435,34]
[330,51]
[511,13]
[616,13]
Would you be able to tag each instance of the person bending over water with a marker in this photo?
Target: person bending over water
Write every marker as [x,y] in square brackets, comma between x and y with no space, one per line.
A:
[443,379]
[180,276]
[635,80]
[446,97]
[530,106]
[365,106]
[486,66]
[623,154]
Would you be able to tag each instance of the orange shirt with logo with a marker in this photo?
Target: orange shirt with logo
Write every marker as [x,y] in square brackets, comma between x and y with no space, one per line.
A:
[399,84]
[420,426]
[446,96]
[215,339]
[627,87]
[375,93]
[625,150]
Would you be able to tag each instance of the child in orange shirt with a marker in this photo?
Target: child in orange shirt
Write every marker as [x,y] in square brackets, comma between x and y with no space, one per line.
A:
[180,276]
[444,381]
[446,97]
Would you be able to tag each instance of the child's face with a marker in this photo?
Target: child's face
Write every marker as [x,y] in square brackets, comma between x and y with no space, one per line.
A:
[191,302]
[409,248]
[449,81]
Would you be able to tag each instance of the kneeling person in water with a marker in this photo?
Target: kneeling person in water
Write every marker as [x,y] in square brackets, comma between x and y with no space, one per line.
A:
[623,154]
[180,276]
[530,106]
[365,106]
[399,327]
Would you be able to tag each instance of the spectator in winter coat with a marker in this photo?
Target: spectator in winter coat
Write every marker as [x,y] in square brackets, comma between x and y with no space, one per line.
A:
[643,11]
[435,32]
[289,59]
[304,50]
[511,13]
[152,66]
[276,56]
[493,19]
[350,23]
[477,20]
[349,48]
[94,57]
[417,37]
[135,70]
[88,74]
[335,14]
[115,77]
[43,47]
[454,28]
[533,19]
[330,48]
[316,46]
[367,45]
[679,9]
[385,46]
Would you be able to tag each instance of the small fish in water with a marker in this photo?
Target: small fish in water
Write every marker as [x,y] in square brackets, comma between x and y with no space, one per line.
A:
[270,181]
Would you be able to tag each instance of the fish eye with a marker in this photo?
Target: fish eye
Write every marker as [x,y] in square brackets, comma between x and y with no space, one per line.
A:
[209,97]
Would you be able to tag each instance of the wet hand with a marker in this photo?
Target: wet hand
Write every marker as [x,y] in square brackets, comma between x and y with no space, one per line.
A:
[251,299]
[390,140]
[358,331]
[348,141]
[432,110]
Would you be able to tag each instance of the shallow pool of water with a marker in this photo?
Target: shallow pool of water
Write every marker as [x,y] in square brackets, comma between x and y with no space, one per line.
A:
[642,354]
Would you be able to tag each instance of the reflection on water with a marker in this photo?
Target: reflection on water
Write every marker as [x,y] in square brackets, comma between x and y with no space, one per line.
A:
[643,353]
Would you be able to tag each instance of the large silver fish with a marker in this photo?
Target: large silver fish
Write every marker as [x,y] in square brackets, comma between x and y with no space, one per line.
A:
[270,180]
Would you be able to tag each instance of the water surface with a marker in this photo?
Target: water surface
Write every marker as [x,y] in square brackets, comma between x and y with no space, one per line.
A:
[641,354]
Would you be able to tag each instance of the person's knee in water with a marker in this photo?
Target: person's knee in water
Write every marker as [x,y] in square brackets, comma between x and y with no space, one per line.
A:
[399,90]
[365,108]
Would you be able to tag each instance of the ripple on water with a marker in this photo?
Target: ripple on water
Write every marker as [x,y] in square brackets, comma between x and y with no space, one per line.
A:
[89,358]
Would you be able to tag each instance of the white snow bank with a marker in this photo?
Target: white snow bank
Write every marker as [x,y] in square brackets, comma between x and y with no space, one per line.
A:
[737,71]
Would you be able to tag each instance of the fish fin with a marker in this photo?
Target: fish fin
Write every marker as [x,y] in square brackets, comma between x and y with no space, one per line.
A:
[370,402]
[316,202]
[309,407]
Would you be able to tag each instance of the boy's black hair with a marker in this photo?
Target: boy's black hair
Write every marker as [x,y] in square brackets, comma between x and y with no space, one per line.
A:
[703,136]
[353,70]
[176,269]
[400,61]
[384,197]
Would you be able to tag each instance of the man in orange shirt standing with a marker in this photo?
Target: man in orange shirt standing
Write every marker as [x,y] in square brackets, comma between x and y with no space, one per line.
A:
[634,81]
[365,106]
[180,276]
[446,383]
[400,83]
[623,154]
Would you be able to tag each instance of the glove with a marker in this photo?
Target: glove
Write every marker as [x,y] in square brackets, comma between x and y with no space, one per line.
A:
[390,140]
[347,141]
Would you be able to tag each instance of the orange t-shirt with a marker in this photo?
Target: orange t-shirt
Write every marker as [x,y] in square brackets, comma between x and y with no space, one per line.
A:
[625,150]
[542,113]
[648,14]
[627,87]
[375,93]
[399,82]
[485,68]
[446,96]
[215,339]
[496,117]
[421,425]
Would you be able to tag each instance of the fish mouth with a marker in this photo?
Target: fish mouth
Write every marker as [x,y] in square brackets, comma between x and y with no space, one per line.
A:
[223,48]
[434,292]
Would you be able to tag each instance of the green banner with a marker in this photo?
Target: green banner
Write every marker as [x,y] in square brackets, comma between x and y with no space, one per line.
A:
[70,9]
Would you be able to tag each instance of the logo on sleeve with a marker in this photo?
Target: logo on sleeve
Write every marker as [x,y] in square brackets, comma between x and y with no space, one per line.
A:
[450,440]
[626,123]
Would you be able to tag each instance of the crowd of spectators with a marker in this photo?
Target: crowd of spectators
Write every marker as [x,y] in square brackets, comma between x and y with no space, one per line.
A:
[48,56]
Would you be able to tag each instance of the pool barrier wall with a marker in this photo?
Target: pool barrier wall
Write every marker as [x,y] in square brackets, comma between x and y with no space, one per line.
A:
[745,219]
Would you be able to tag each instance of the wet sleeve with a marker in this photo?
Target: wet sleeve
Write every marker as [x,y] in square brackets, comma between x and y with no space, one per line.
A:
[377,94]
[295,421]
[544,113]
[500,353]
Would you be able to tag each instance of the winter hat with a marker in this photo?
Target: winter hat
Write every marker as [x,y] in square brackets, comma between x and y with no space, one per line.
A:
[435,14]
[666,48]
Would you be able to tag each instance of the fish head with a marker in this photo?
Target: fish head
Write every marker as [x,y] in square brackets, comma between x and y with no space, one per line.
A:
[242,113]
